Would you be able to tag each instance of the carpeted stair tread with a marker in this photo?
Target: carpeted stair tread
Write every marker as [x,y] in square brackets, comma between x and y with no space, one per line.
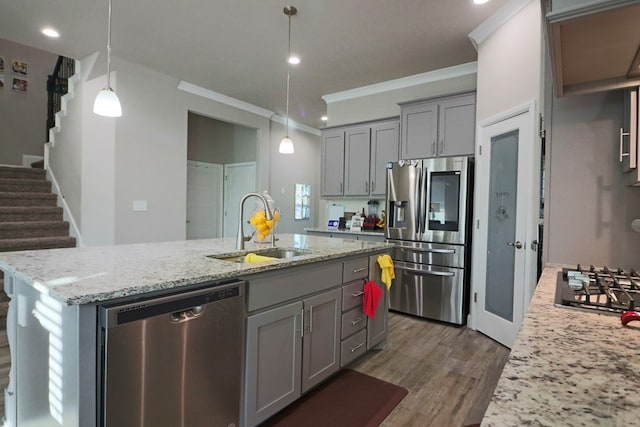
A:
[15,230]
[27,199]
[7,245]
[28,185]
[30,213]
[28,173]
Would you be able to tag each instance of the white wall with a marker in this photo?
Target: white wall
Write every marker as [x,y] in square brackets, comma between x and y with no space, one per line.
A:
[23,115]
[510,64]
[301,167]
[589,207]
[214,141]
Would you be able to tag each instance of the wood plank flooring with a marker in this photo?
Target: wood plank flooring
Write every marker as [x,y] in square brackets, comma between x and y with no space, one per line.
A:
[450,372]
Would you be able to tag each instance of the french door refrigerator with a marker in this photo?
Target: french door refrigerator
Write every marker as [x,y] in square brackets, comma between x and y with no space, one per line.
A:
[429,214]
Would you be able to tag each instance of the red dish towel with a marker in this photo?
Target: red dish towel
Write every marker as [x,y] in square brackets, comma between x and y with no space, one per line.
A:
[371,298]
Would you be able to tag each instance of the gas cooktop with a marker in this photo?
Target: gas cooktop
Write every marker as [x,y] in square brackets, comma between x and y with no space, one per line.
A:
[602,290]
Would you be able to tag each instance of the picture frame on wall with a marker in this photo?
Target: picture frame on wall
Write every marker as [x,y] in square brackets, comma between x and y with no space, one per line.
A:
[20,85]
[19,67]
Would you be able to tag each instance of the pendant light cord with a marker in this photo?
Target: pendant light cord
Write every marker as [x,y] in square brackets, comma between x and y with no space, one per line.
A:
[109,48]
[288,71]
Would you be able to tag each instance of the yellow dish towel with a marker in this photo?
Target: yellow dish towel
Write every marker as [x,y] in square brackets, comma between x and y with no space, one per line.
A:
[251,257]
[388,273]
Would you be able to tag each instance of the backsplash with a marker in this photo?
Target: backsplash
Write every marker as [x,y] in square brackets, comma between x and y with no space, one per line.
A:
[350,205]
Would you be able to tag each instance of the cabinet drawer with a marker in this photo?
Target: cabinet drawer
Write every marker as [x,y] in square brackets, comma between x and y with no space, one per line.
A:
[352,294]
[352,321]
[355,269]
[353,348]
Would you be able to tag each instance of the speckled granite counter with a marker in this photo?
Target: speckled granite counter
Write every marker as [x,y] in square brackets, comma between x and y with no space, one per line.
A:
[568,368]
[85,275]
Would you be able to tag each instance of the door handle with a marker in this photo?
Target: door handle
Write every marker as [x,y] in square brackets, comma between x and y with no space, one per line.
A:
[433,147]
[517,244]
[366,186]
[534,245]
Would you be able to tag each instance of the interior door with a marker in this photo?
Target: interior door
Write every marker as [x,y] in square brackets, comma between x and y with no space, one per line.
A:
[504,257]
[239,179]
[204,200]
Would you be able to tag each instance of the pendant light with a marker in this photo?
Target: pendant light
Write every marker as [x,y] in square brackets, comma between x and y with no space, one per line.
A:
[107,103]
[286,145]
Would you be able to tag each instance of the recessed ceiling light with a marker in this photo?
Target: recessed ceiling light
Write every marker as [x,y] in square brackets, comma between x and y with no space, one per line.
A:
[480,1]
[324,118]
[50,32]
[294,60]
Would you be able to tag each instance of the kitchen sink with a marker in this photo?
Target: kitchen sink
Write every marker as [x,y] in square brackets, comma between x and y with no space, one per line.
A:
[279,253]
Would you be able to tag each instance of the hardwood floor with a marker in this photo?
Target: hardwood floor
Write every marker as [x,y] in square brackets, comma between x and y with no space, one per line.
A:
[450,372]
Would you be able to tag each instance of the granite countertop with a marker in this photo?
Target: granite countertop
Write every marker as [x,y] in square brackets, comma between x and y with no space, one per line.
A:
[93,274]
[379,233]
[568,368]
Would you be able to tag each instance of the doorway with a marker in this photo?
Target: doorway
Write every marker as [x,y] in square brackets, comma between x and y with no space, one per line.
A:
[226,156]
[505,232]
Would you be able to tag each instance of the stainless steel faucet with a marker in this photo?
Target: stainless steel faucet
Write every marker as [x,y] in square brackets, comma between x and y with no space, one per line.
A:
[269,216]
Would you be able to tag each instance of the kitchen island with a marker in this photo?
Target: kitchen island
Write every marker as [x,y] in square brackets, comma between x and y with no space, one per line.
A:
[568,368]
[53,324]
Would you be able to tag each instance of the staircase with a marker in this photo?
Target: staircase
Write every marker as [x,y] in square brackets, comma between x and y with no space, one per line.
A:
[29,219]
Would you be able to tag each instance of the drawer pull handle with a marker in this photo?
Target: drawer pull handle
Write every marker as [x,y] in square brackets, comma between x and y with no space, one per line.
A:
[356,321]
[357,294]
[358,270]
[353,349]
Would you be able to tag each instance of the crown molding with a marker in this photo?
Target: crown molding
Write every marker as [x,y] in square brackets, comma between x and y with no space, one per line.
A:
[295,125]
[223,99]
[241,105]
[495,21]
[404,82]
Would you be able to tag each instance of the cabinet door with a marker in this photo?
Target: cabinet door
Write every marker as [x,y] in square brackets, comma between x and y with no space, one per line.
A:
[333,162]
[321,352]
[377,327]
[629,142]
[356,159]
[457,124]
[419,130]
[384,149]
[274,352]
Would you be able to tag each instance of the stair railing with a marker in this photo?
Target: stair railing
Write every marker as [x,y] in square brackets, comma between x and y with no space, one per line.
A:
[57,86]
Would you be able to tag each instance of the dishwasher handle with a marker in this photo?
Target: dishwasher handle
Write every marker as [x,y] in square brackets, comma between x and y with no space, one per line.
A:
[180,307]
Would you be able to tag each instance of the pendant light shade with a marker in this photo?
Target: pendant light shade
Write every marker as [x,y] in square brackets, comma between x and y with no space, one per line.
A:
[107,103]
[286,145]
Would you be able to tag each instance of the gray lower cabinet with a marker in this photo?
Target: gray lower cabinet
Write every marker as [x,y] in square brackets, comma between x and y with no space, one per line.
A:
[289,350]
[273,364]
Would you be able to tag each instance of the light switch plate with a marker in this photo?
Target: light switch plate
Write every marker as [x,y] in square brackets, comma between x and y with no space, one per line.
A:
[139,205]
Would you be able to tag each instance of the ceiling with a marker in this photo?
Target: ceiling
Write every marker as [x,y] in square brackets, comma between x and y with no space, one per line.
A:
[238,47]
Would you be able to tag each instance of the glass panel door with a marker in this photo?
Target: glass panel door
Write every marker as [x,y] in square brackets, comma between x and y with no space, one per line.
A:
[503,184]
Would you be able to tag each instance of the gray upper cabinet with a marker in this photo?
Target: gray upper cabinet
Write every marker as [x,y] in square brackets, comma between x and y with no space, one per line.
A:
[630,137]
[333,162]
[356,160]
[384,149]
[419,130]
[367,150]
[439,128]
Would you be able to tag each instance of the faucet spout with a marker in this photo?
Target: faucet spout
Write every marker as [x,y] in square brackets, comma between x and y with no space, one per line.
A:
[269,216]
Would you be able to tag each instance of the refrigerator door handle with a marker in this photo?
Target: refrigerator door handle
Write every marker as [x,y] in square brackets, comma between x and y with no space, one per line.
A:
[428,250]
[427,272]
[423,201]
[418,207]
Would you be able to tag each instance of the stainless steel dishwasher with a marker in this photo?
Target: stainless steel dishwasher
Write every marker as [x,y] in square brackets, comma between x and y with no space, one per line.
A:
[174,361]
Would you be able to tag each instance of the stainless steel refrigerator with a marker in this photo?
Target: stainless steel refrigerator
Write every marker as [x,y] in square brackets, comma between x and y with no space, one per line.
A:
[429,210]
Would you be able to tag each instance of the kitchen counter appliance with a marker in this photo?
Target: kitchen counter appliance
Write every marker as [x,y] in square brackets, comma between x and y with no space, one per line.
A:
[174,360]
[428,217]
[600,290]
